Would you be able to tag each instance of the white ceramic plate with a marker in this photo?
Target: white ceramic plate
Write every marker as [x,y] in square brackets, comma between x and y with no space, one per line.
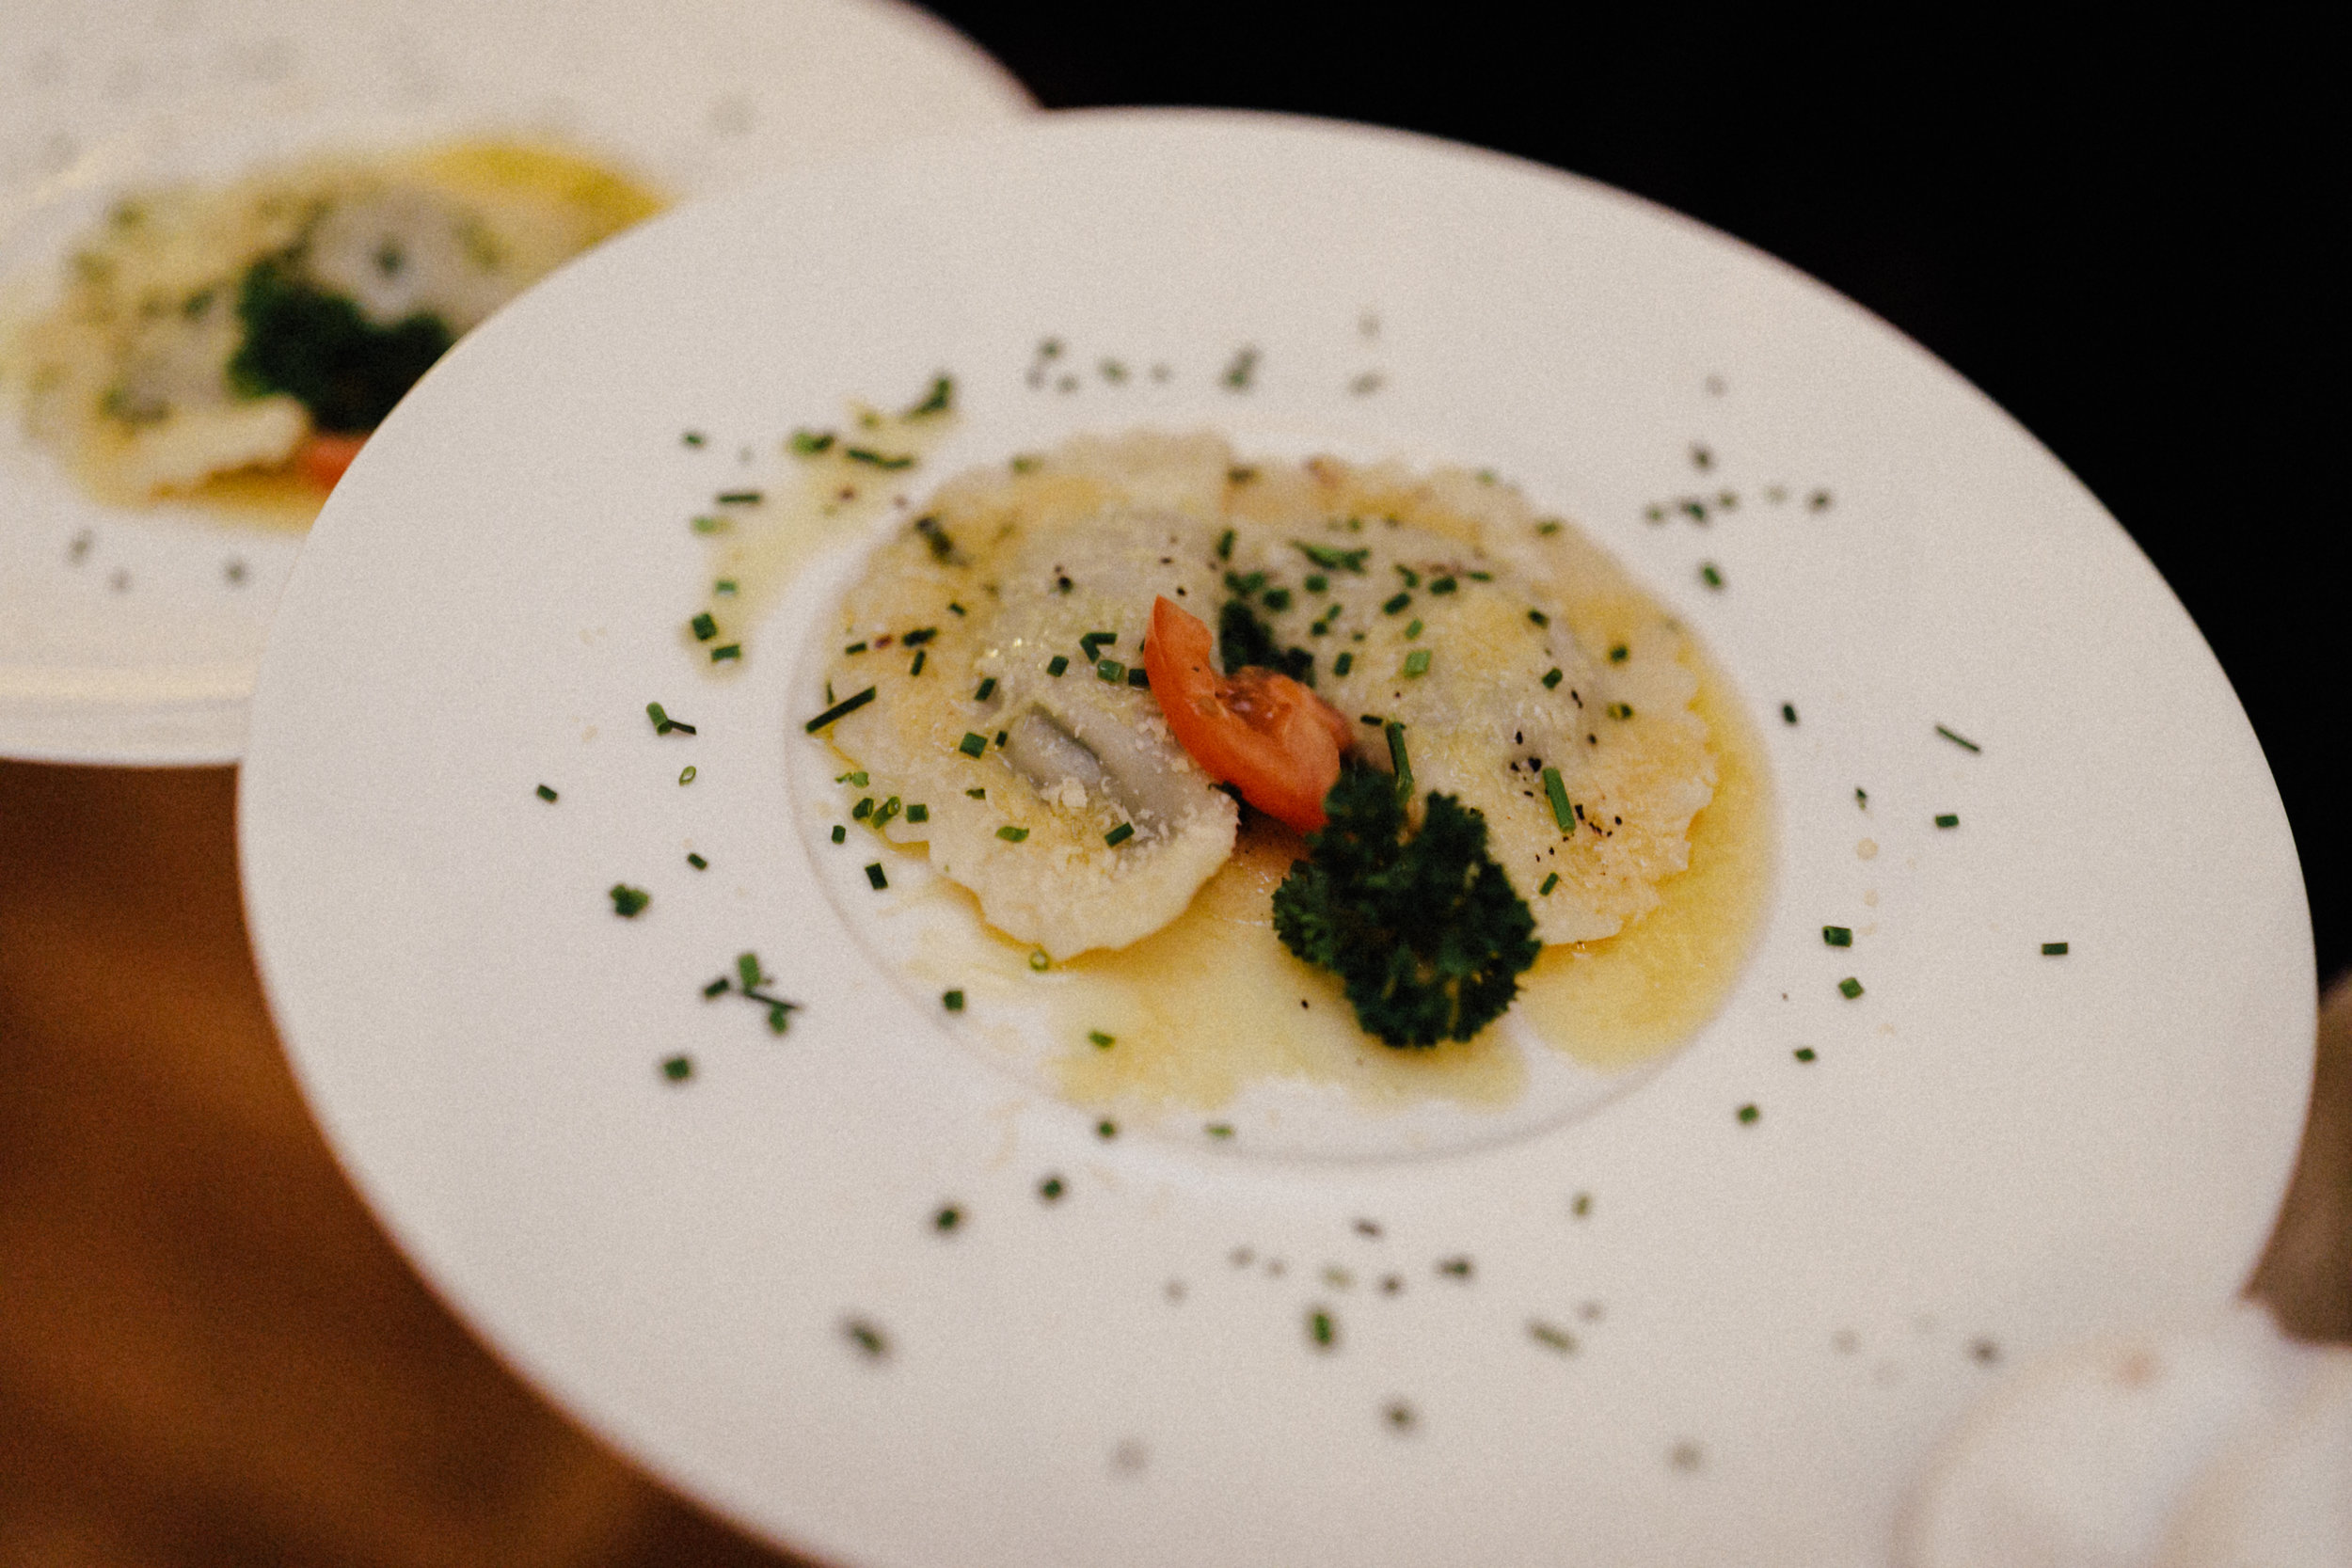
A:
[1991,1151]
[133,637]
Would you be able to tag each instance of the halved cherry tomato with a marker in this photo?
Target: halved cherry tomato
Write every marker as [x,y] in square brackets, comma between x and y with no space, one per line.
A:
[1262,732]
[323,455]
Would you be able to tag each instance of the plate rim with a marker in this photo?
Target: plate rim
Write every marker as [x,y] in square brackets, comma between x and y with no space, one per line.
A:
[545,1376]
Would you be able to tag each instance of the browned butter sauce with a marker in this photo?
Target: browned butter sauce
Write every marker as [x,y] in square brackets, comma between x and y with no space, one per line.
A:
[1212,1003]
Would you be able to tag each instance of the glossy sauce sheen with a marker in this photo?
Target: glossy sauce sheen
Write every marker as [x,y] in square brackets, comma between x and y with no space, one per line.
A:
[1212,1003]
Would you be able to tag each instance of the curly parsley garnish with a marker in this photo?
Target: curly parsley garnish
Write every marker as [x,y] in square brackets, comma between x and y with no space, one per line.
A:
[1425,931]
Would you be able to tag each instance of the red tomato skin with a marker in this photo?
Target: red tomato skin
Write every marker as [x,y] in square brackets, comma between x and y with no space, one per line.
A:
[1259,731]
[322,457]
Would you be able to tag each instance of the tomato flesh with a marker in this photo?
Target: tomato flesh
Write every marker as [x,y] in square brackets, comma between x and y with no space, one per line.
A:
[1259,731]
[322,457]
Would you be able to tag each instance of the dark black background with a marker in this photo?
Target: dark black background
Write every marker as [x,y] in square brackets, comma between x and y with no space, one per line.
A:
[2124,238]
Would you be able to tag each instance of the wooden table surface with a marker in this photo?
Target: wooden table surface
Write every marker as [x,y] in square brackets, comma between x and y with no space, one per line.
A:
[210,1353]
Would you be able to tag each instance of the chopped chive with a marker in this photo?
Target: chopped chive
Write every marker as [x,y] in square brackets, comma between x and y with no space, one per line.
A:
[677,1069]
[1110,670]
[697,861]
[862,810]
[921,635]
[1342,664]
[1787,713]
[1837,936]
[1948,820]
[1412,579]
[952,1001]
[1317,583]
[1748,1115]
[1120,834]
[1093,642]
[840,833]
[1618,653]
[1219,1129]
[855,648]
[937,401]
[1711,575]
[1038,961]
[740,497]
[1240,475]
[663,723]
[1011,835]
[1620,710]
[747,971]
[1551,1335]
[858,778]
[1479,577]
[716,988]
[725,585]
[918,812]
[711,525]
[1850,988]
[1333,560]
[879,460]
[1057,664]
[1802,1054]
[721,654]
[948,1218]
[972,745]
[1550,882]
[1417,662]
[1000,737]
[1278,599]
[938,542]
[686,774]
[840,711]
[1320,1329]
[628,902]
[1412,631]
[808,443]
[704,627]
[1139,677]
[1395,604]
[1050,1189]
[916,668]
[1539,617]
[692,437]
[1960,740]
[545,794]
[1443,585]
[1106,1129]
[1551,677]
[955,609]
[1225,546]
[1862,799]
[988,689]
[875,878]
[1102,1041]
[884,812]
[976,794]
[1402,764]
[1556,790]
[2053,949]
